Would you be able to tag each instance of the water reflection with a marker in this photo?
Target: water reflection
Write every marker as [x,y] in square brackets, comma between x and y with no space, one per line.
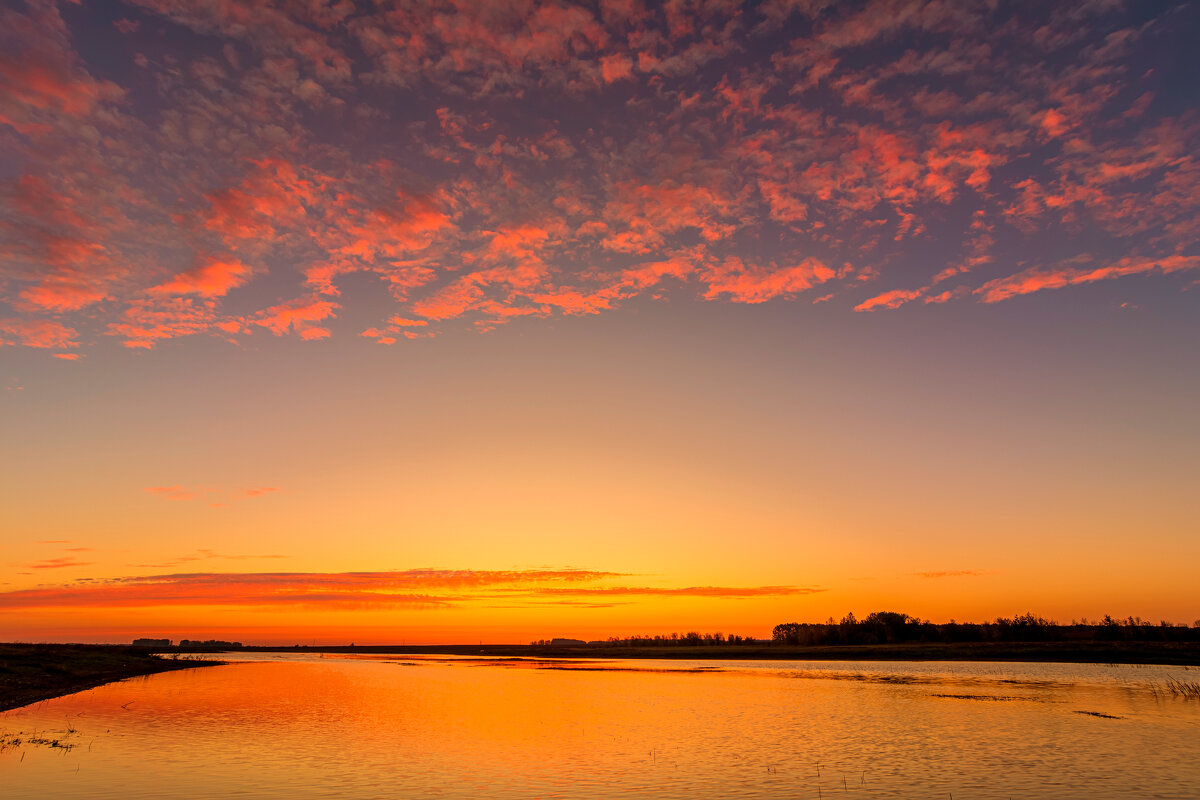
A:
[386,726]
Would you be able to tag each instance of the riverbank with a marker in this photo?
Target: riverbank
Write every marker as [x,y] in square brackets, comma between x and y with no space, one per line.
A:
[33,672]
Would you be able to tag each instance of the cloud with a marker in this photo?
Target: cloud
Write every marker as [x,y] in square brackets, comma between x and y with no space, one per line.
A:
[298,315]
[892,299]
[415,588]
[147,321]
[474,163]
[348,589]
[1038,278]
[959,573]
[722,592]
[257,491]
[171,492]
[202,555]
[213,278]
[37,333]
[744,283]
[59,563]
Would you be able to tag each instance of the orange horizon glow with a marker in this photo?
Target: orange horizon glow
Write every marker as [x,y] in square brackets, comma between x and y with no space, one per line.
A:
[507,321]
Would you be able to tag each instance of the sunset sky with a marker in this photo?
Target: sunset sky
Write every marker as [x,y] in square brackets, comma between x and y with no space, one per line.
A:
[340,320]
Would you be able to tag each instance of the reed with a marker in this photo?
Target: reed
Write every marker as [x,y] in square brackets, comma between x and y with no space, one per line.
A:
[1189,690]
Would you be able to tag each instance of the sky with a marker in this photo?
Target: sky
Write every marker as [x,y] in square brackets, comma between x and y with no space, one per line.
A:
[340,320]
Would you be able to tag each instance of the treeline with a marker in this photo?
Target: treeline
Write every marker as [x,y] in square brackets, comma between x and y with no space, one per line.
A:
[689,639]
[890,627]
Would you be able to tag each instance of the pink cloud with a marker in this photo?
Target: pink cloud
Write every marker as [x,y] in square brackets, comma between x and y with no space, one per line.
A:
[616,67]
[213,278]
[746,283]
[146,322]
[297,315]
[175,492]
[1038,278]
[892,299]
[37,333]
[399,149]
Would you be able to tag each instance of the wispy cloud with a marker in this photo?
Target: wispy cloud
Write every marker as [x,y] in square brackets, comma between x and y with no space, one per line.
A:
[204,555]
[62,562]
[175,492]
[409,588]
[724,592]
[213,494]
[956,573]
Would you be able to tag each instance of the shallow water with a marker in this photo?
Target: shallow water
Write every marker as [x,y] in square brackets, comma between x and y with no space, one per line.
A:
[287,726]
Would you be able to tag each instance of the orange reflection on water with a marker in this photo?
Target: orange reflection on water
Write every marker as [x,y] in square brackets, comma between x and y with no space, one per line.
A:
[412,727]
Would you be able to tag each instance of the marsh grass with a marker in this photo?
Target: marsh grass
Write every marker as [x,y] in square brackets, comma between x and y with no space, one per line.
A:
[21,739]
[33,672]
[1188,690]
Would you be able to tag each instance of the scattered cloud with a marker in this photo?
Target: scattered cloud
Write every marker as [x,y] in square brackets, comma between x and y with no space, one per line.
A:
[499,161]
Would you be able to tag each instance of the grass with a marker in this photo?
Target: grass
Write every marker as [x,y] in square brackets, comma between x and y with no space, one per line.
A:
[1188,690]
[33,672]
[21,739]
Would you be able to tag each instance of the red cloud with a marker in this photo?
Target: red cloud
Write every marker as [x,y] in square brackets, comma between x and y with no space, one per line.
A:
[1038,278]
[298,315]
[616,67]
[37,333]
[752,284]
[452,182]
[892,299]
[146,322]
[44,84]
[271,196]
[642,214]
[416,588]
[213,278]
[353,589]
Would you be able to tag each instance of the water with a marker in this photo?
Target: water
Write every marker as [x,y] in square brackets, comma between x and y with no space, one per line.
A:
[292,727]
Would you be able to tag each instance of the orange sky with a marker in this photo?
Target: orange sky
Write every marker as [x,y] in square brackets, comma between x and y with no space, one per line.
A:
[599,481]
[321,322]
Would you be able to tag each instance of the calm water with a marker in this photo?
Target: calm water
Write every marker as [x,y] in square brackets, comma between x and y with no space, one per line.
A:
[405,727]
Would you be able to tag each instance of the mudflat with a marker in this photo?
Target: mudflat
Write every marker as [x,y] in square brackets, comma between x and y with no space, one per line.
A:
[33,672]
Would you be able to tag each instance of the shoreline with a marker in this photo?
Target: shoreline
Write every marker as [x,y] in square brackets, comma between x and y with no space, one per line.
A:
[1151,653]
[31,673]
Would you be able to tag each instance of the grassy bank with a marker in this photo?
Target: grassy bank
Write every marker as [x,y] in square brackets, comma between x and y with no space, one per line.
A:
[33,672]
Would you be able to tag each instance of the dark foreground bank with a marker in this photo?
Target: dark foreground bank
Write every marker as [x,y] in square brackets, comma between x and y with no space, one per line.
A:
[1169,653]
[33,672]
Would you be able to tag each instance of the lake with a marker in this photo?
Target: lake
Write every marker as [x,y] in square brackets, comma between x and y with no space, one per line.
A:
[303,726]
